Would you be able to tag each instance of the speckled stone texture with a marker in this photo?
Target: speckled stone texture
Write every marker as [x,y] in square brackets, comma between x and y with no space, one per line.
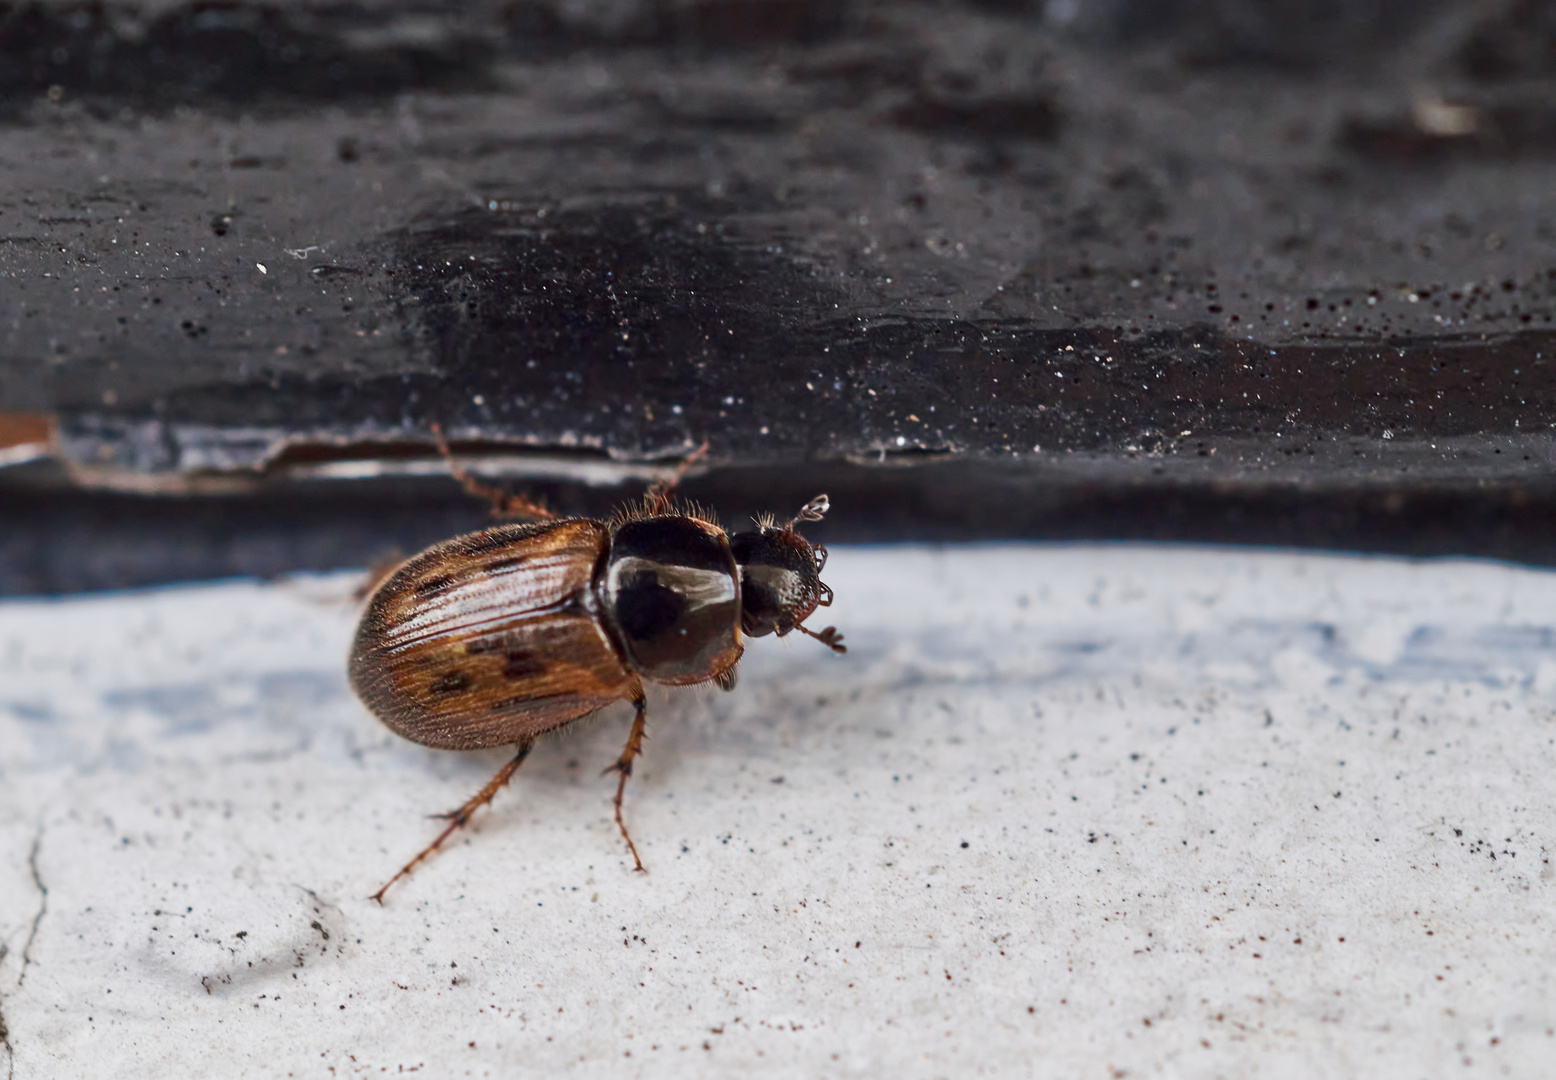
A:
[1064,809]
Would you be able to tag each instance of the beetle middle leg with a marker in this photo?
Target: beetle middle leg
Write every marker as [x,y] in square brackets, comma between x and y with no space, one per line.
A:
[505,504]
[457,819]
[623,769]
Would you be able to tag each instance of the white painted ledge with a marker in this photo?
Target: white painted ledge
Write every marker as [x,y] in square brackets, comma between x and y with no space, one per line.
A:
[1059,810]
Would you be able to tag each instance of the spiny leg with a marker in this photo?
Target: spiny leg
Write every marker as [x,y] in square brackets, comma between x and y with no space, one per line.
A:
[505,504]
[623,769]
[457,819]
[661,493]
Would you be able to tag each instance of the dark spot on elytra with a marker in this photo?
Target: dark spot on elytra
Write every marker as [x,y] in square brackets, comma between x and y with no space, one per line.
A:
[433,585]
[495,539]
[520,665]
[450,682]
[480,646]
[482,542]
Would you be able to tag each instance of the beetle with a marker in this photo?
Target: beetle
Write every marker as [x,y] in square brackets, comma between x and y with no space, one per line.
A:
[498,637]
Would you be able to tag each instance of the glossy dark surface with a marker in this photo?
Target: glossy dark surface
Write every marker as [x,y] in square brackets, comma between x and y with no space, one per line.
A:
[671,594]
[1166,261]
[779,585]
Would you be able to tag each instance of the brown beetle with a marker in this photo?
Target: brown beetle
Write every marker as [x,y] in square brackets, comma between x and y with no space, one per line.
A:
[500,636]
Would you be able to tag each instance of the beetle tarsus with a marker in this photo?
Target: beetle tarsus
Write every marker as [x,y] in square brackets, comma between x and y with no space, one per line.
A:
[459,818]
[828,637]
[505,504]
[623,769]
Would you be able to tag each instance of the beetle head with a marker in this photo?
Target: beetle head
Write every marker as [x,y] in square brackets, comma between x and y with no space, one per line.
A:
[780,577]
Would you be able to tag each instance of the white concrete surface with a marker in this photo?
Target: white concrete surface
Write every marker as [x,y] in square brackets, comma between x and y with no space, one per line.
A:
[1068,811]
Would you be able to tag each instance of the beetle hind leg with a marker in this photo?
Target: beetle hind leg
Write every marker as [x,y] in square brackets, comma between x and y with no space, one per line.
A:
[505,504]
[458,819]
[660,495]
[623,769]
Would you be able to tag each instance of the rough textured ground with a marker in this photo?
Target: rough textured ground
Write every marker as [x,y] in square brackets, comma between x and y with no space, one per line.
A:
[1125,810]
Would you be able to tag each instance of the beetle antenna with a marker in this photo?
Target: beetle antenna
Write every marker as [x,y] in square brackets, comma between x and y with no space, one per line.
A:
[811,511]
[828,637]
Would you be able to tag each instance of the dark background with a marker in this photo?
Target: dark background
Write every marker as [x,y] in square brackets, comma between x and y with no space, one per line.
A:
[1271,272]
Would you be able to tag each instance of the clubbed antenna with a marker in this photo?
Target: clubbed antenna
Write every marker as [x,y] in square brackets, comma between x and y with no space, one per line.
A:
[811,511]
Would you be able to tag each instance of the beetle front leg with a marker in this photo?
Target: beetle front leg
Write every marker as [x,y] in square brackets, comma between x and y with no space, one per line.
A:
[457,819]
[623,769]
